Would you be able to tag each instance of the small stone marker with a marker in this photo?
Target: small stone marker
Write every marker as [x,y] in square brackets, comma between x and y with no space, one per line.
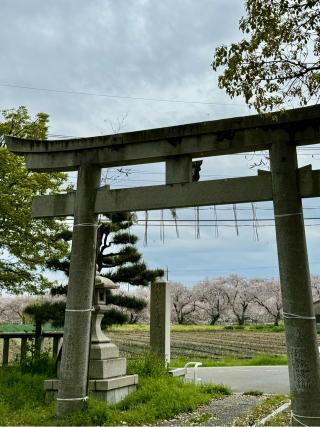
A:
[160,310]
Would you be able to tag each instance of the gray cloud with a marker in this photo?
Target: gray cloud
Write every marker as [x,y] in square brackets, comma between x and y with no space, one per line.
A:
[140,48]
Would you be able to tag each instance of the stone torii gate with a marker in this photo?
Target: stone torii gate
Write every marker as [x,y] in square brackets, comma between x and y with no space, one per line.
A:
[286,185]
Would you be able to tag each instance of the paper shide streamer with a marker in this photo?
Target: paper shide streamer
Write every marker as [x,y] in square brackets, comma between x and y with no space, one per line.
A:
[255,223]
[175,217]
[161,227]
[146,218]
[197,222]
[215,217]
[234,207]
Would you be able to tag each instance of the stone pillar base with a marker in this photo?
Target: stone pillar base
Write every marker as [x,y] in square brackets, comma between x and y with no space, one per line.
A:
[111,390]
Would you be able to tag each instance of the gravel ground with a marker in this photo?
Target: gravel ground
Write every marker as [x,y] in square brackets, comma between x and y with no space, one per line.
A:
[217,412]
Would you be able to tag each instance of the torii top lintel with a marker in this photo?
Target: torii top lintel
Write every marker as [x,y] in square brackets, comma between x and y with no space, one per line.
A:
[299,126]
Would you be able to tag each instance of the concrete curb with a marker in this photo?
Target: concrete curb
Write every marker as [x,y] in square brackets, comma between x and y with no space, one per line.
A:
[273,413]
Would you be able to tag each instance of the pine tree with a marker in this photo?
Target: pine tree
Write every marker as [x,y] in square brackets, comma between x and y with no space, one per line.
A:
[119,260]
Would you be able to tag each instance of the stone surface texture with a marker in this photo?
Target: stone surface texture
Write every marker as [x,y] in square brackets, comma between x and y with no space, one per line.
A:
[160,319]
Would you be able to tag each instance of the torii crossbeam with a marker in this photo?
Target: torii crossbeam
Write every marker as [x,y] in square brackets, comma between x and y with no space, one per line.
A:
[279,133]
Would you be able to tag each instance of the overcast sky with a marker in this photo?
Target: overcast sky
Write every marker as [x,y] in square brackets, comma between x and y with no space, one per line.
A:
[97,67]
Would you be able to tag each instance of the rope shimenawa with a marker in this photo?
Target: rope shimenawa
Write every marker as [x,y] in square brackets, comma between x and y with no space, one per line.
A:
[297,316]
[73,398]
[293,315]
[288,214]
[294,417]
[86,224]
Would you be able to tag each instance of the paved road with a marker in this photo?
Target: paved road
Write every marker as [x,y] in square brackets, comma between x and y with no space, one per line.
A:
[269,379]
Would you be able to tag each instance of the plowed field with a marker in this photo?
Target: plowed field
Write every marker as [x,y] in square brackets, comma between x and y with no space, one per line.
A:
[212,344]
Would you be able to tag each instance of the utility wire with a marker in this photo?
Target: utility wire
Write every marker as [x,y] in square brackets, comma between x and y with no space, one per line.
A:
[219,220]
[107,95]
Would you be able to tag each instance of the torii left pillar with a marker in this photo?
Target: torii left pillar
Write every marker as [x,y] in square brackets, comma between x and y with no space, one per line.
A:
[73,385]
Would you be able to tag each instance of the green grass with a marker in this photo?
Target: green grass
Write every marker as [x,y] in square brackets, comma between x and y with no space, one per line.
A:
[193,328]
[260,360]
[158,397]
[24,327]
[199,419]
[253,393]
[155,400]
[7,327]
[281,419]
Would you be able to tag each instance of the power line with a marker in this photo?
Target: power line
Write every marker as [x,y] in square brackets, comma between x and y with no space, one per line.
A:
[214,220]
[106,95]
[181,270]
[220,225]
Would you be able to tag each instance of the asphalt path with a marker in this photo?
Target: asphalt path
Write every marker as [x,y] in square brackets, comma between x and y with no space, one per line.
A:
[269,379]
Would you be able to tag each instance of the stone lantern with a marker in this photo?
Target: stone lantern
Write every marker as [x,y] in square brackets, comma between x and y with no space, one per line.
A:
[107,370]
[99,341]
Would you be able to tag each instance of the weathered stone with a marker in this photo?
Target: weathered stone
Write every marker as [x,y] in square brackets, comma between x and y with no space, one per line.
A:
[300,325]
[72,392]
[48,385]
[112,383]
[114,396]
[107,368]
[160,312]
[103,351]
[109,390]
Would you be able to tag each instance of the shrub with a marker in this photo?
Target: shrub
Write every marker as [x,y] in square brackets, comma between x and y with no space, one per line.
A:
[147,364]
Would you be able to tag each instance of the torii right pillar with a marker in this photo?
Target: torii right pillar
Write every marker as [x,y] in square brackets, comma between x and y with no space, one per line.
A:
[300,325]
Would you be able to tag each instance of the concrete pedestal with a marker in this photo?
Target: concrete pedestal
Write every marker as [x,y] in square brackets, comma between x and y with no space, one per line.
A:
[111,390]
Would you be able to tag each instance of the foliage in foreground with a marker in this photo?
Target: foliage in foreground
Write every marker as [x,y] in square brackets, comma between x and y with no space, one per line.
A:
[119,260]
[277,60]
[26,243]
[159,396]
[260,360]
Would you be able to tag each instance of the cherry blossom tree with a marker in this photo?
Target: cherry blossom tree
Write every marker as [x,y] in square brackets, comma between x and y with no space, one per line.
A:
[267,294]
[315,286]
[211,299]
[240,297]
[12,309]
[183,303]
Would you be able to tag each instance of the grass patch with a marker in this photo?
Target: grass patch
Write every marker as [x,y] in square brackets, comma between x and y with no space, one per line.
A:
[260,360]
[200,419]
[253,393]
[204,328]
[146,364]
[155,400]
[261,411]
[282,419]
[9,327]
[22,398]
[159,396]
[25,327]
